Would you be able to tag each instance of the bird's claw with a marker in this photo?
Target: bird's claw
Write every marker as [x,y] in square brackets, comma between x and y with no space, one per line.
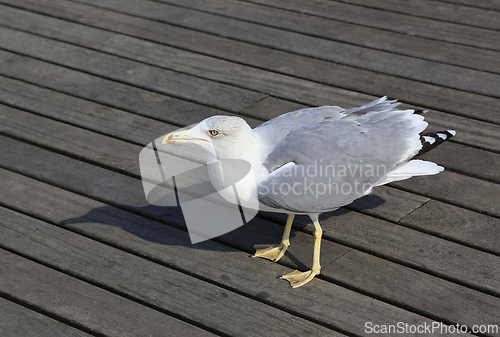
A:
[298,278]
[270,252]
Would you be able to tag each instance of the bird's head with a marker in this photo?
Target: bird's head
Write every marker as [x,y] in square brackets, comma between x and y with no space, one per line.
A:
[223,136]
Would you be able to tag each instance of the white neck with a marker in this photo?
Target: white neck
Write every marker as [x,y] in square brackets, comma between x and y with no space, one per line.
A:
[244,145]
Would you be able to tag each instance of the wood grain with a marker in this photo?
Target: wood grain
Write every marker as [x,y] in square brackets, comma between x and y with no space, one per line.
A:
[338,75]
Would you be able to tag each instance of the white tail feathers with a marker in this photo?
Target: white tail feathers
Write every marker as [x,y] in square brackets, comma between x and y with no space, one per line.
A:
[412,168]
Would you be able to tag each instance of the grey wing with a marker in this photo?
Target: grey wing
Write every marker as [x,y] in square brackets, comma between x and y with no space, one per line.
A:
[314,172]
[321,167]
[273,131]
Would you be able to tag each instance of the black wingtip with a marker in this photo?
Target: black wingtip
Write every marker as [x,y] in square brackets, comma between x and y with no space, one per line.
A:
[432,139]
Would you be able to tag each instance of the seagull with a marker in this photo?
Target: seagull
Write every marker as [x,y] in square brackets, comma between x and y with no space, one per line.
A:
[315,160]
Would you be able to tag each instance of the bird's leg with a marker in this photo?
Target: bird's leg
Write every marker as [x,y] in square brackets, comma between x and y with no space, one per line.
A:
[297,278]
[273,252]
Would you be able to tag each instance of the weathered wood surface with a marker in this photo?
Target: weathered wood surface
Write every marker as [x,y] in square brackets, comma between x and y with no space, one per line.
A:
[439,10]
[276,60]
[17,320]
[86,84]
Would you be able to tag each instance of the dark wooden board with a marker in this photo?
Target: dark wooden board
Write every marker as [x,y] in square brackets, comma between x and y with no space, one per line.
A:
[352,34]
[486,4]
[141,130]
[72,140]
[358,230]
[95,308]
[338,75]
[86,258]
[459,157]
[102,118]
[477,133]
[190,298]
[254,275]
[408,23]
[85,87]
[472,132]
[400,66]
[184,61]
[481,195]
[87,114]
[390,203]
[19,321]
[164,81]
[475,229]
[118,155]
[398,285]
[412,248]
[439,10]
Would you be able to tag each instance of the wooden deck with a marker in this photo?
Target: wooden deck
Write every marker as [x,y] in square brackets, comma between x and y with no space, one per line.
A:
[86,84]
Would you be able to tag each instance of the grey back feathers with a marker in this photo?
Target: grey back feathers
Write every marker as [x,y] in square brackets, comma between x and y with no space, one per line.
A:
[323,158]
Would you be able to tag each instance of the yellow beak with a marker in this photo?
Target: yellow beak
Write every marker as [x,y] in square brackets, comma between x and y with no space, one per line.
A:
[179,137]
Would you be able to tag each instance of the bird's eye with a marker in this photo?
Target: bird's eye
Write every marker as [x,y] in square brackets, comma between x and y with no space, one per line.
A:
[213,133]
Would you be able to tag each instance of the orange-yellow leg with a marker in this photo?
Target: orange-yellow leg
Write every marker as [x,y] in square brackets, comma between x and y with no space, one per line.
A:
[273,252]
[297,278]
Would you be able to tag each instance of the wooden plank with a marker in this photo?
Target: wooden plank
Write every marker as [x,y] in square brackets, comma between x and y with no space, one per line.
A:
[486,4]
[86,258]
[411,24]
[97,309]
[439,10]
[263,81]
[164,81]
[388,203]
[71,140]
[105,92]
[477,133]
[377,61]
[141,130]
[271,107]
[459,157]
[180,60]
[474,229]
[320,25]
[385,202]
[125,97]
[208,305]
[481,195]
[360,231]
[379,271]
[399,285]
[253,275]
[18,321]
[412,248]
[281,62]
[176,59]
[117,155]
[120,155]
[87,114]
[98,117]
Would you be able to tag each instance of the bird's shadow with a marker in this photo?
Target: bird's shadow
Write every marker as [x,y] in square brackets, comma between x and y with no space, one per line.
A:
[166,226]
